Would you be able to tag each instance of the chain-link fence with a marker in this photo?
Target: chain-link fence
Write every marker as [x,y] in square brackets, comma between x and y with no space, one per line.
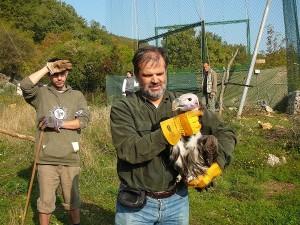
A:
[291,10]
[213,31]
[269,86]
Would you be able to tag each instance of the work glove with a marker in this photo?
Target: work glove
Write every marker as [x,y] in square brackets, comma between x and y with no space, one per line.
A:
[124,94]
[184,124]
[211,184]
[212,95]
[50,122]
[59,66]
[205,180]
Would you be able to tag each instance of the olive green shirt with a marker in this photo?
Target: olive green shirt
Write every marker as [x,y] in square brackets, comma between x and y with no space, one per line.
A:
[142,150]
[57,148]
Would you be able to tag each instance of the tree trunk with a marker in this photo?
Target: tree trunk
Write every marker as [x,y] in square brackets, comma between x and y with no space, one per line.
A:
[225,80]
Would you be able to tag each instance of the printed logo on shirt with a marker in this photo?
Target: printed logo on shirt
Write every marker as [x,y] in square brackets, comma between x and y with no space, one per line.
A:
[59,112]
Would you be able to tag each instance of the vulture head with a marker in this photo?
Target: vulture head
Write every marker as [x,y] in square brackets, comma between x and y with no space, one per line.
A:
[185,102]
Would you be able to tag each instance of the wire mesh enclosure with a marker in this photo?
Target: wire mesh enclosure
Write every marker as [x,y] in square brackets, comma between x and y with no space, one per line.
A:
[196,31]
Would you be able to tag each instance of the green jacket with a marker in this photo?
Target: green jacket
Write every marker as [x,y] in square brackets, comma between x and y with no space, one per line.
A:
[142,150]
[57,148]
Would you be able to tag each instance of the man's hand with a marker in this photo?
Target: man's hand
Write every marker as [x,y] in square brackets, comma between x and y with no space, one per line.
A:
[50,122]
[203,181]
[184,124]
[59,66]
[212,95]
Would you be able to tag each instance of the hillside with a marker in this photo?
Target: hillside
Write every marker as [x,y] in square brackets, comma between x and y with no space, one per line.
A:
[32,32]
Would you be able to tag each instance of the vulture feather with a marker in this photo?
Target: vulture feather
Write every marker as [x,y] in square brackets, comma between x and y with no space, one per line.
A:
[192,155]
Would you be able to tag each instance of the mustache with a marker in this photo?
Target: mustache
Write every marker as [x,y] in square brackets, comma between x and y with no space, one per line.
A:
[154,84]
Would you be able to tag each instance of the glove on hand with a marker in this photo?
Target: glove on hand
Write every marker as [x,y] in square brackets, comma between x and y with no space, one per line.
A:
[211,184]
[59,66]
[203,181]
[184,124]
[51,122]
[212,95]
[124,94]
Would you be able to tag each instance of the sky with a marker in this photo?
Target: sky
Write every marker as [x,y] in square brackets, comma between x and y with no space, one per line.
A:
[138,18]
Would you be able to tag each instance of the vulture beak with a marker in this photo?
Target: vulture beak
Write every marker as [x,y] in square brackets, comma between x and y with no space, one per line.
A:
[175,104]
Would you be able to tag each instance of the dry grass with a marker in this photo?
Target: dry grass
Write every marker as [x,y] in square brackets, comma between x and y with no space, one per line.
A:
[96,136]
[18,117]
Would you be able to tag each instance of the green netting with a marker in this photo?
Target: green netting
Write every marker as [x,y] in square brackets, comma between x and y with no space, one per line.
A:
[291,20]
[183,83]
[113,87]
[176,82]
[261,89]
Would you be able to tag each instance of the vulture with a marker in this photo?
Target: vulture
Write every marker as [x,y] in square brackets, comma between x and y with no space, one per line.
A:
[192,155]
[266,107]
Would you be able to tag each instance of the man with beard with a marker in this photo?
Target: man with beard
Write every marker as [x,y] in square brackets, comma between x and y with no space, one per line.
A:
[62,113]
[143,128]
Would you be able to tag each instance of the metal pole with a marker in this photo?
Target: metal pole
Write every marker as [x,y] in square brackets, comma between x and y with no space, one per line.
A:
[254,58]
[203,41]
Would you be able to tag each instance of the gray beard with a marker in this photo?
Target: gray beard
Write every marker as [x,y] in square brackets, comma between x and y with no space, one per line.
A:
[152,96]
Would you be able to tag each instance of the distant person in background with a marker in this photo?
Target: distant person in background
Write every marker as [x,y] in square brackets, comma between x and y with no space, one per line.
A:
[62,112]
[209,86]
[129,84]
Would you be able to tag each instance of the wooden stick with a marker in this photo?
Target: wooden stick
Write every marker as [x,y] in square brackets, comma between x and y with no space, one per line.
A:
[13,134]
[32,175]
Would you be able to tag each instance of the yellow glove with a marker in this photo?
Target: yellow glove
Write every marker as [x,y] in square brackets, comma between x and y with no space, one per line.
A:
[203,180]
[185,124]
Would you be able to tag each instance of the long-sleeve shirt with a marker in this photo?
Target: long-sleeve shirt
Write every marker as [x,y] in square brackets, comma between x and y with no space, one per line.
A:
[142,150]
[57,148]
[210,82]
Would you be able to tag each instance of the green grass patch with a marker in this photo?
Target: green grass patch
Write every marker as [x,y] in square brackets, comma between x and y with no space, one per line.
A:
[250,191]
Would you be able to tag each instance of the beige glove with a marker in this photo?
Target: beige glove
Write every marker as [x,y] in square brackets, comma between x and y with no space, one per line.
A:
[203,180]
[59,66]
[185,124]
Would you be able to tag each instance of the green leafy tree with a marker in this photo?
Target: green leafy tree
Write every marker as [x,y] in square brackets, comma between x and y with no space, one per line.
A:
[42,17]
[183,49]
[16,48]
[276,51]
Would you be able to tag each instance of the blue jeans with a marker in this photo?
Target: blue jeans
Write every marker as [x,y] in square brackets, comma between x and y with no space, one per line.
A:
[173,210]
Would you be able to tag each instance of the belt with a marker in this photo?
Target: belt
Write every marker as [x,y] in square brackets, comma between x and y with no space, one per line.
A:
[161,194]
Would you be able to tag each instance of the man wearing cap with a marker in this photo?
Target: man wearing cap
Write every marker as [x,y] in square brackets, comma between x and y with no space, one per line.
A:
[61,113]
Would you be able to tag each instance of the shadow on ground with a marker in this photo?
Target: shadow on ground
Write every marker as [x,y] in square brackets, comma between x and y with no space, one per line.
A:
[91,214]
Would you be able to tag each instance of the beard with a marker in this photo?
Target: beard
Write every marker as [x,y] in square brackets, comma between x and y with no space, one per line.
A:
[154,95]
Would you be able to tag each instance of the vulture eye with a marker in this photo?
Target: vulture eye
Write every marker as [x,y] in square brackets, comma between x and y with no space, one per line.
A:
[190,99]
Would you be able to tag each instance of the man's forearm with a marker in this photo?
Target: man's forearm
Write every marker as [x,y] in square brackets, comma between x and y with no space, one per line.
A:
[38,75]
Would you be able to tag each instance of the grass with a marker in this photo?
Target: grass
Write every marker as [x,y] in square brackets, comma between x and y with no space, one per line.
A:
[249,192]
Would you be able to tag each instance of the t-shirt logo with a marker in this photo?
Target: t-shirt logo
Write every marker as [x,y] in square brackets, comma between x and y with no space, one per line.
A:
[59,113]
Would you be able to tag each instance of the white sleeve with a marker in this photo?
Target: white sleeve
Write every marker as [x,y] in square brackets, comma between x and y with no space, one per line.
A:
[124,86]
[136,84]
